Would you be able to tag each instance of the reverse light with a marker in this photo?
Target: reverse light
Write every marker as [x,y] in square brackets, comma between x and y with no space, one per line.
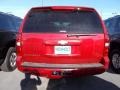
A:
[78,9]
[107,44]
[18,43]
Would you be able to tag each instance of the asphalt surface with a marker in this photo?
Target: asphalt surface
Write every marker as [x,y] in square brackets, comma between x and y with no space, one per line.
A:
[17,81]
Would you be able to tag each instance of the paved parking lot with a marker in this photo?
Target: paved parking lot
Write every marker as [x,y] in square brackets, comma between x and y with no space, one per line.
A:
[17,81]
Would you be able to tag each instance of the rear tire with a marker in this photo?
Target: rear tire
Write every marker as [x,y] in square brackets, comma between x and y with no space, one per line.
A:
[115,60]
[9,63]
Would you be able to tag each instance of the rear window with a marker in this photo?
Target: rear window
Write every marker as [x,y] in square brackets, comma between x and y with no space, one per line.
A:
[63,21]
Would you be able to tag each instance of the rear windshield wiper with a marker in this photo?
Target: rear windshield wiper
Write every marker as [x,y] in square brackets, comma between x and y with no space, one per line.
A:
[77,35]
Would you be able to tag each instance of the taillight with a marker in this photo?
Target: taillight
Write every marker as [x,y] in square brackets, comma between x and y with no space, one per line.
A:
[18,43]
[107,44]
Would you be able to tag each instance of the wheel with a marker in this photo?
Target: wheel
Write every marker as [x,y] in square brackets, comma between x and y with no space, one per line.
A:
[9,63]
[115,60]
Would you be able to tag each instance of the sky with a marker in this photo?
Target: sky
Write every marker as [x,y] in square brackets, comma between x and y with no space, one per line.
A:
[106,8]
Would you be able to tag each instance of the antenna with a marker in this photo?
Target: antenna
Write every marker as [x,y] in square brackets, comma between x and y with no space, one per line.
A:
[114,13]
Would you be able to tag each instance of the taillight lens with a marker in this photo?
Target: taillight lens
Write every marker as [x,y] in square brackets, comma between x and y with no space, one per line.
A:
[18,43]
[107,44]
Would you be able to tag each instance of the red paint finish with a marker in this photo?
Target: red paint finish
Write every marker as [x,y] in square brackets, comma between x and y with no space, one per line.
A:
[40,48]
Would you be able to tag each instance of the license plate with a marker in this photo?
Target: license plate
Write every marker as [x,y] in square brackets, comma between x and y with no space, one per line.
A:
[62,49]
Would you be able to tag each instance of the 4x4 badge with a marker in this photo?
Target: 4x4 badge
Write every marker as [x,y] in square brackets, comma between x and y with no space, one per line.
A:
[62,42]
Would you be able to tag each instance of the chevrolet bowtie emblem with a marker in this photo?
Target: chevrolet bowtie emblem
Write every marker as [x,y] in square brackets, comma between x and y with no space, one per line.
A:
[62,42]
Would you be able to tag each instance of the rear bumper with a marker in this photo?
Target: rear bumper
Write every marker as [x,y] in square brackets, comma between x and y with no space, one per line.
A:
[59,73]
[55,71]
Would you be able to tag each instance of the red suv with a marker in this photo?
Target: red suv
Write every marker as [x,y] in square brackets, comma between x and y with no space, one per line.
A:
[62,41]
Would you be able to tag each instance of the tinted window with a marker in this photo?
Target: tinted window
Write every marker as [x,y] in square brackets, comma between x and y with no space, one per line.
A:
[117,26]
[17,22]
[6,22]
[110,24]
[63,21]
